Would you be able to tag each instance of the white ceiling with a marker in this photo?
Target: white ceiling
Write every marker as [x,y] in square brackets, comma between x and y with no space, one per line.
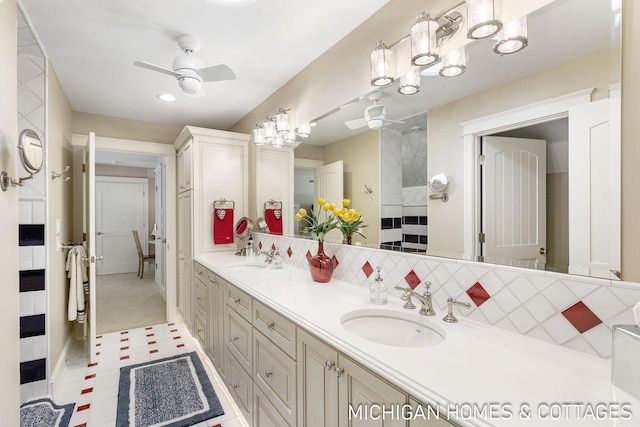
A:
[92,45]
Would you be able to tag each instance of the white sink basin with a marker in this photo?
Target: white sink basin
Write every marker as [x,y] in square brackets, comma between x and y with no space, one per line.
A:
[393,328]
[246,265]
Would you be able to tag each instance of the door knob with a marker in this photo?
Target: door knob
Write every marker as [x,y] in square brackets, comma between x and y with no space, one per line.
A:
[99,233]
[543,251]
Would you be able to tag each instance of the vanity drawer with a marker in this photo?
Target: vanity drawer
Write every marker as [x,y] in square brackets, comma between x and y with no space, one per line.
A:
[239,301]
[239,339]
[201,272]
[275,374]
[275,327]
[240,386]
[201,295]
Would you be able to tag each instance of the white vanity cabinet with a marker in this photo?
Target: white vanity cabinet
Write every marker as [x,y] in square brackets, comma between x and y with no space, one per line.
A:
[200,328]
[333,390]
[184,169]
[216,314]
[185,260]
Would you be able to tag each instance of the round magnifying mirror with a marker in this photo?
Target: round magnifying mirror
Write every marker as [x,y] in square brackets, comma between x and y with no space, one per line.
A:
[31,151]
[243,227]
[438,183]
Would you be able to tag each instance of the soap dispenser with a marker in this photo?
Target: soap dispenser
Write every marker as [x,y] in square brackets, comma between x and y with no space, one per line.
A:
[378,291]
[277,259]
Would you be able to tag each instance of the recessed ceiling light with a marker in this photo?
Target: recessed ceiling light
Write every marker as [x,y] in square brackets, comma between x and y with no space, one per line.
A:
[231,2]
[166,97]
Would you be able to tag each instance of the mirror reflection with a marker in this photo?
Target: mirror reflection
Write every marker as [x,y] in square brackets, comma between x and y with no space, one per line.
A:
[567,80]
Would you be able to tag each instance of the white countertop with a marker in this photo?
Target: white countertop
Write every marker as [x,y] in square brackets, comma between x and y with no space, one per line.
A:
[476,367]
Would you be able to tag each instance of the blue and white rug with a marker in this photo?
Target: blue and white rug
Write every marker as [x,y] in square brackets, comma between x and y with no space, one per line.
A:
[45,413]
[174,391]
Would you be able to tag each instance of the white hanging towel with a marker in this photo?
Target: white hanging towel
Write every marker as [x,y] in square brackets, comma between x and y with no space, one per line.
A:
[78,284]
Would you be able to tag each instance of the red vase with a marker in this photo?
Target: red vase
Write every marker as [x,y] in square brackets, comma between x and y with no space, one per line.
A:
[320,265]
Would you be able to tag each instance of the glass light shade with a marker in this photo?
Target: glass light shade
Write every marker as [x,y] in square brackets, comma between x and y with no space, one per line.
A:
[290,137]
[269,130]
[304,130]
[282,123]
[512,38]
[410,83]
[423,40]
[382,65]
[277,141]
[453,63]
[258,136]
[482,18]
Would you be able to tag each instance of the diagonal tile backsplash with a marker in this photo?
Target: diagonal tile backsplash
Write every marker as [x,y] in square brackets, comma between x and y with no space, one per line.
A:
[572,311]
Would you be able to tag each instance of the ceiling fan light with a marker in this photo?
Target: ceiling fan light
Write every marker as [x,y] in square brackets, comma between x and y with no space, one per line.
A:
[423,40]
[512,38]
[189,85]
[304,130]
[482,18]
[410,83]
[382,65]
[453,63]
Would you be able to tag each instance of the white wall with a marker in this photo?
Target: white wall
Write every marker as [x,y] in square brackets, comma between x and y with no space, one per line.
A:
[9,315]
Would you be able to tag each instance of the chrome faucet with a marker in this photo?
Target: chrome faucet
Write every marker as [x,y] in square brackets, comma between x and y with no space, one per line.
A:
[427,305]
[450,318]
[270,255]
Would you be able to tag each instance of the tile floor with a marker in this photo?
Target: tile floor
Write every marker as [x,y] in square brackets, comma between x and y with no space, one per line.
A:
[94,387]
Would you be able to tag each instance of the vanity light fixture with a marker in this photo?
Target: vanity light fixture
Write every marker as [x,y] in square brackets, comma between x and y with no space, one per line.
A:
[423,40]
[382,65]
[482,18]
[269,127]
[453,63]
[258,135]
[282,122]
[410,83]
[275,130]
[512,37]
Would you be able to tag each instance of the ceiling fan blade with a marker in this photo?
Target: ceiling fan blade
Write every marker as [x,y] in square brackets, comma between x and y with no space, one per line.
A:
[216,73]
[356,124]
[394,121]
[156,68]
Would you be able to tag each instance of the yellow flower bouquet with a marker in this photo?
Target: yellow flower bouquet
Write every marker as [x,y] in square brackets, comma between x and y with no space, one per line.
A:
[315,226]
[350,222]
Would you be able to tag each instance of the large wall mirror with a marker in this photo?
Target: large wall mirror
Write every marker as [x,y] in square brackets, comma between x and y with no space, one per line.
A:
[562,89]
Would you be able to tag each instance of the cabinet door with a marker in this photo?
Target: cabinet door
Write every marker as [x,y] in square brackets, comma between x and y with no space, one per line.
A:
[361,394]
[185,158]
[219,316]
[186,283]
[427,416]
[264,413]
[239,339]
[317,383]
[184,223]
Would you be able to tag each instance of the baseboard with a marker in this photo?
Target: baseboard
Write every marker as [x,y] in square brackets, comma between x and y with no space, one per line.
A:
[59,371]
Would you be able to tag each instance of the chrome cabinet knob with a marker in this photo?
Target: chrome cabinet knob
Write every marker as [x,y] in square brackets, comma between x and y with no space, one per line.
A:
[271,325]
[330,364]
[268,374]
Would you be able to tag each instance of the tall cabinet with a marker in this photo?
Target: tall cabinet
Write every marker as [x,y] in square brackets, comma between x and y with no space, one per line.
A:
[212,165]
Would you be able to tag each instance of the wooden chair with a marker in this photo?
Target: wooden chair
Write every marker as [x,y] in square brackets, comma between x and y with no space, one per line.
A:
[141,257]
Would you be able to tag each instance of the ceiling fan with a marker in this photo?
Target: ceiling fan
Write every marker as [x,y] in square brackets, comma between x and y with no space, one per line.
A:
[374,115]
[189,70]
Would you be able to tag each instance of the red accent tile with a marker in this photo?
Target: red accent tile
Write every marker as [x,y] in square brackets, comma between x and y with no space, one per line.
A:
[124,348]
[260,244]
[478,294]
[124,357]
[176,337]
[334,261]
[150,335]
[581,317]
[173,330]
[218,425]
[97,353]
[273,246]
[87,390]
[151,342]
[170,324]
[124,339]
[289,251]
[98,337]
[91,365]
[153,351]
[148,328]
[99,344]
[124,332]
[367,269]
[84,407]
[412,279]
[180,345]
[308,255]
[85,425]
[88,377]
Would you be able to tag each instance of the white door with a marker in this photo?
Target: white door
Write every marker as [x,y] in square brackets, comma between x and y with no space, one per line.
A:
[594,189]
[329,184]
[121,206]
[158,238]
[514,201]
[90,221]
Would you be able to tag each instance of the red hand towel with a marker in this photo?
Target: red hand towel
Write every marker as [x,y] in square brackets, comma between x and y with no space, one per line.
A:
[222,226]
[273,217]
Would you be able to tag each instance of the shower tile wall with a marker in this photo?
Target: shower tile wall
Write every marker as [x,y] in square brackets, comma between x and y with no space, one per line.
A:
[390,189]
[31,219]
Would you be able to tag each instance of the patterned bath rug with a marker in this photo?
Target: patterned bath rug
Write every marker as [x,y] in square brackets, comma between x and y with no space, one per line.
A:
[45,413]
[170,392]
